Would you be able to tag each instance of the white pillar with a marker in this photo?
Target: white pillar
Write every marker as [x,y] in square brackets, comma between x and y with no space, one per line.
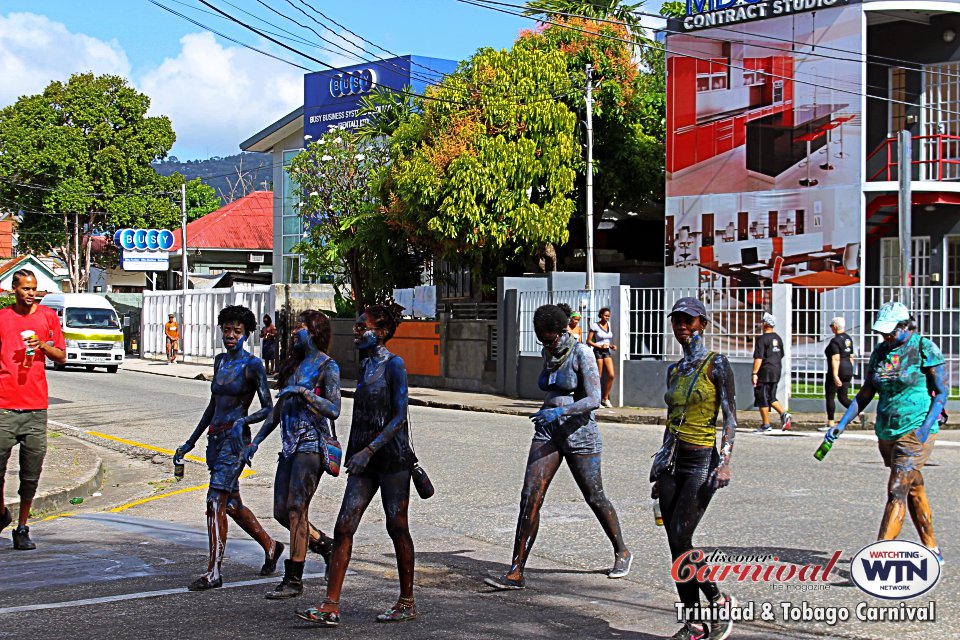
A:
[782,308]
[620,319]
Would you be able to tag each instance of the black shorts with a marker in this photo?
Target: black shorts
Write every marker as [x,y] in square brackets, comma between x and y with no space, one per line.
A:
[765,394]
[602,353]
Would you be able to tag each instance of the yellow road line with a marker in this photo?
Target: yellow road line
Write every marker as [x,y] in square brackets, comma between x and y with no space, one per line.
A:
[135,503]
[142,445]
[48,518]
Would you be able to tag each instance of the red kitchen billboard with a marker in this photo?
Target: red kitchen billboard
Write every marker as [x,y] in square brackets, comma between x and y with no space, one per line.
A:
[764,115]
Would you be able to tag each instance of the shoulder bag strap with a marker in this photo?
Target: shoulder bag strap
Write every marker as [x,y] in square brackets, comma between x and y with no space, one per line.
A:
[693,382]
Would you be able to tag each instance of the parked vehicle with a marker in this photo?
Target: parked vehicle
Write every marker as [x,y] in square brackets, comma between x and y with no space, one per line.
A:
[91,328]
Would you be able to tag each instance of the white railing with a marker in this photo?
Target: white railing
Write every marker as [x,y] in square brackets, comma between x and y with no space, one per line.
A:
[734,315]
[200,337]
[588,303]
[936,310]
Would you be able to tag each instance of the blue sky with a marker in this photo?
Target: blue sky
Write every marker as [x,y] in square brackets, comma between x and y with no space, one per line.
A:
[216,92]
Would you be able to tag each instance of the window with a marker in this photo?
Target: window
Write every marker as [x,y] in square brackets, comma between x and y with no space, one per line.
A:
[953,261]
[890,261]
[81,318]
[941,104]
[898,96]
[292,225]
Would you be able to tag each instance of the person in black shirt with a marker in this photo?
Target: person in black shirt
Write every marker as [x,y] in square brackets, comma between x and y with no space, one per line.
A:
[840,366]
[767,356]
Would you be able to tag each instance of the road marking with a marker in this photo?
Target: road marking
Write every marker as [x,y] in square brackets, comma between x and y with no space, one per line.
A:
[141,445]
[135,503]
[136,596]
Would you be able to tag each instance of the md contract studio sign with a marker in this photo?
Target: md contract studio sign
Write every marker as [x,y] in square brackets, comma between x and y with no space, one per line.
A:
[144,249]
[704,14]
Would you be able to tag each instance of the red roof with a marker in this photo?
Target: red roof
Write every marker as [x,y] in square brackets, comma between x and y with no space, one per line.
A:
[246,223]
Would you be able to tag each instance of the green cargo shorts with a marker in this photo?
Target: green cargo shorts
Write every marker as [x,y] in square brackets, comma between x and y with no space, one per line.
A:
[29,430]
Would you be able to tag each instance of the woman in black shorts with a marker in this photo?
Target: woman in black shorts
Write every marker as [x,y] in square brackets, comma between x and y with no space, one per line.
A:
[600,338]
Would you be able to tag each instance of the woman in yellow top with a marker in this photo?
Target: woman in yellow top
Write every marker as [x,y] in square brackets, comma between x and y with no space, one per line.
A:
[698,387]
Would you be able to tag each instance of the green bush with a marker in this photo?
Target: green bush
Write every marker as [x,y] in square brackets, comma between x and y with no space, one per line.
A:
[6,300]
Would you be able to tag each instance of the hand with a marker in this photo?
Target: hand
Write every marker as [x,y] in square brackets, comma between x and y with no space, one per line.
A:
[654,490]
[237,429]
[836,381]
[832,435]
[182,450]
[249,453]
[753,378]
[720,477]
[32,343]
[546,416]
[290,391]
[358,463]
[613,347]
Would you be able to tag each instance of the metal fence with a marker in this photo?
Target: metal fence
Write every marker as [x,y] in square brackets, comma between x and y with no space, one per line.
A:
[588,303]
[735,315]
[936,310]
[200,337]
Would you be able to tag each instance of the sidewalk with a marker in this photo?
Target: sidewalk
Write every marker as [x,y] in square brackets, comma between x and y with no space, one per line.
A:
[71,469]
[490,403]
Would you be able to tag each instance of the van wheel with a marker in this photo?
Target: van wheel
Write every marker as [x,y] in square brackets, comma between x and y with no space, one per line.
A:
[112,369]
[59,367]
[89,367]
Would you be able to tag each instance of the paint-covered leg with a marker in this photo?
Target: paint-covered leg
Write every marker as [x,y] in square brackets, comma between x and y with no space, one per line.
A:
[395,494]
[898,488]
[243,516]
[217,536]
[920,511]
[587,474]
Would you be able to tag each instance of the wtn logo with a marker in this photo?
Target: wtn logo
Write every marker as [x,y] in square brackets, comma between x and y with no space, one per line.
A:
[895,569]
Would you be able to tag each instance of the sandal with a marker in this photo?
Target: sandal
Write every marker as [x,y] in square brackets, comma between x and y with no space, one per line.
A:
[404,611]
[203,583]
[320,617]
[270,559]
[503,583]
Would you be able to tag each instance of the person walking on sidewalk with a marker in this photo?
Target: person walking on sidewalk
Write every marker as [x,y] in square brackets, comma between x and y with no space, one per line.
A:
[308,403]
[840,366]
[688,469]
[565,429]
[29,334]
[238,375]
[172,332]
[379,458]
[904,369]
[268,344]
[767,358]
[600,338]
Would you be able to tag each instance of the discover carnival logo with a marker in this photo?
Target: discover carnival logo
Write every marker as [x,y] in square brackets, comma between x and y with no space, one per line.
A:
[895,569]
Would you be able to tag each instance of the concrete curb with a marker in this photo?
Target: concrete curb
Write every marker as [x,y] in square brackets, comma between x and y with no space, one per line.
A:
[59,498]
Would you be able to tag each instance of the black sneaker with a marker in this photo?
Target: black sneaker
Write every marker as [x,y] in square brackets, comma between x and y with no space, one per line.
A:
[21,539]
[764,428]
[721,629]
[690,632]
[786,421]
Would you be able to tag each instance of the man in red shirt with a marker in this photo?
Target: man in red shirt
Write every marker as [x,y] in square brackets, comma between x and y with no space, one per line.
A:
[29,333]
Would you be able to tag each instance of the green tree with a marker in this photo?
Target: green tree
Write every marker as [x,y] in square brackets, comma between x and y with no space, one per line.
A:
[487,164]
[675,9]
[76,159]
[596,9]
[347,235]
[384,111]
[201,199]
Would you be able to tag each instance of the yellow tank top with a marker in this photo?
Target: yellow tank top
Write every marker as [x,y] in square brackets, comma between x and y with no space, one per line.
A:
[699,425]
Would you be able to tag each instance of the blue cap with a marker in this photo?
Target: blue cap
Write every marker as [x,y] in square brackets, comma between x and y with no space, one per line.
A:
[889,316]
[690,306]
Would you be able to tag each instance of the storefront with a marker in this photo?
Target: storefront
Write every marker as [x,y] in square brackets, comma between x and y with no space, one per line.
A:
[331,101]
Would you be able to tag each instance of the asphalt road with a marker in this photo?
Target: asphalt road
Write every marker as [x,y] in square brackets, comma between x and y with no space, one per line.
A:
[122,574]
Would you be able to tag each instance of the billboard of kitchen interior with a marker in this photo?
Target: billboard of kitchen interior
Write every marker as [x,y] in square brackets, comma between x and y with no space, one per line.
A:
[766,105]
[808,238]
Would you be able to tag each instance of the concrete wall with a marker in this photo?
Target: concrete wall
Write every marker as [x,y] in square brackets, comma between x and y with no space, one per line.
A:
[645,382]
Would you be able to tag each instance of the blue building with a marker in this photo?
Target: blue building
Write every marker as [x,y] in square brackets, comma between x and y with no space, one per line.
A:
[331,101]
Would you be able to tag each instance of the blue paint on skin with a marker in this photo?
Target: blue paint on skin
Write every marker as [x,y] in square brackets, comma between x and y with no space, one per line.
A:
[238,376]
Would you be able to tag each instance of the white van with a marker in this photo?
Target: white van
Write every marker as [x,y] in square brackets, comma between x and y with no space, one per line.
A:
[91,328]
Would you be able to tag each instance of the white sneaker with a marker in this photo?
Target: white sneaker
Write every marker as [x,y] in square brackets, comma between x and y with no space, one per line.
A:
[607,404]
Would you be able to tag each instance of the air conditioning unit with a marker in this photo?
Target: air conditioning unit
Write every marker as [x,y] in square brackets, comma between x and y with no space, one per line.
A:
[256,258]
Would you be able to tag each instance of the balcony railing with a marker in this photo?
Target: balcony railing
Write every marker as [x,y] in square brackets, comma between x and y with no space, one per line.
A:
[935,158]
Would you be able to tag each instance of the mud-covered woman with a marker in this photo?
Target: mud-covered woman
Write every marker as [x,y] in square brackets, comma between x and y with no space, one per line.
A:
[308,402]
[689,469]
[238,377]
[565,429]
[379,458]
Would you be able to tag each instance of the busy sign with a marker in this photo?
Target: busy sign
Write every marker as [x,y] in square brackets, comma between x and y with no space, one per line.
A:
[144,249]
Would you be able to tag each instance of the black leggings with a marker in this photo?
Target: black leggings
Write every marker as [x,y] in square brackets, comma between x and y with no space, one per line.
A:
[831,389]
[684,496]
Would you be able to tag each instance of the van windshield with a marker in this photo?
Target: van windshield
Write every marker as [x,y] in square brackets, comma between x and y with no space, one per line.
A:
[80,318]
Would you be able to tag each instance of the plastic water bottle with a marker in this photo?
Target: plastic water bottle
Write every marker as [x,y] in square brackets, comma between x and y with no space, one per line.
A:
[657,515]
[824,449]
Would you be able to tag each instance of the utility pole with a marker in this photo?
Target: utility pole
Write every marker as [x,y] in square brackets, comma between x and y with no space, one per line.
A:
[183,255]
[905,174]
[589,190]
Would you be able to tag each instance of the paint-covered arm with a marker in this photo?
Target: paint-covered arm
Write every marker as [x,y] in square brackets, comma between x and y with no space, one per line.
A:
[328,403]
[936,381]
[857,406]
[258,373]
[590,374]
[722,377]
[268,425]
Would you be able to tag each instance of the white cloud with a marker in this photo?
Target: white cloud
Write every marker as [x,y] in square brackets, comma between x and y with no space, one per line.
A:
[35,51]
[219,96]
